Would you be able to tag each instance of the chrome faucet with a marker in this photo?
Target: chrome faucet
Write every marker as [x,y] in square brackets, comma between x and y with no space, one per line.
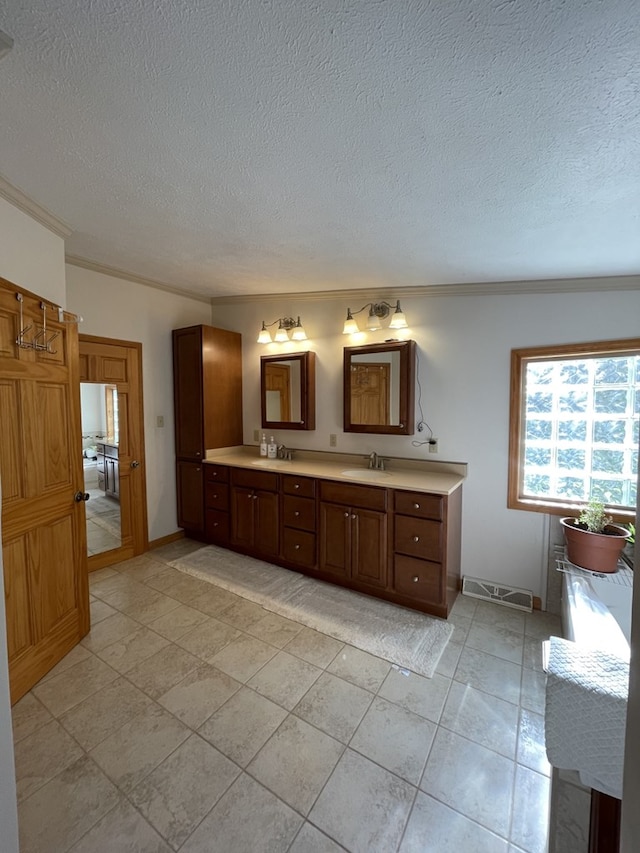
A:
[284,453]
[376,462]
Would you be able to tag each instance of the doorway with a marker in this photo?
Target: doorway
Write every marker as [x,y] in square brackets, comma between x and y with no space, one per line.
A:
[113,449]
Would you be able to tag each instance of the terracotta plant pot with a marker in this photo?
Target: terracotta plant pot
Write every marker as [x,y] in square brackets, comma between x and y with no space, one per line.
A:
[597,552]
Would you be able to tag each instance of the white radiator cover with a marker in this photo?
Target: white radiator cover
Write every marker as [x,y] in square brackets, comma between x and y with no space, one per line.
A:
[510,596]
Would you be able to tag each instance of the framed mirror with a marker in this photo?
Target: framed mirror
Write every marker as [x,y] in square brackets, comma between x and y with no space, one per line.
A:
[288,390]
[379,381]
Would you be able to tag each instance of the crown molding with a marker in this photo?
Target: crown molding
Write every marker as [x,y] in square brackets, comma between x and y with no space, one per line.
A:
[488,288]
[114,272]
[36,211]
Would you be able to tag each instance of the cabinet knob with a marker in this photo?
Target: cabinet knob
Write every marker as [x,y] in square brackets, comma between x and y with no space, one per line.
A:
[297,486]
[296,547]
[415,579]
[255,497]
[198,470]
[215,474]
[198,453]
[346,515]
[416,506]
[296,513]
[353,515]
[215,497]
[416,538]
[216,523]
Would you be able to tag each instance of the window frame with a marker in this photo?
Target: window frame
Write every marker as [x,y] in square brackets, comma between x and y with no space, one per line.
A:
[517,419]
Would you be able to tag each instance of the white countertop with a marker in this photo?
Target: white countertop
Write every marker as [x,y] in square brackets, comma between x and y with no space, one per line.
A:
[420,475]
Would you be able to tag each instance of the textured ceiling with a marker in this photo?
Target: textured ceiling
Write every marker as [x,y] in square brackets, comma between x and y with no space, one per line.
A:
[261,146]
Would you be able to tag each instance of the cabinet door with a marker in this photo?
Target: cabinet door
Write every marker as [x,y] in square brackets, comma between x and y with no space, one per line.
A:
[335,539]
[369,547]
[187,373]
[242,514]
[265,524]
[189,482]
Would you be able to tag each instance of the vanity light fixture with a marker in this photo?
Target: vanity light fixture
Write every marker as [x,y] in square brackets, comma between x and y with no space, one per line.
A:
[377,311]
[288,329]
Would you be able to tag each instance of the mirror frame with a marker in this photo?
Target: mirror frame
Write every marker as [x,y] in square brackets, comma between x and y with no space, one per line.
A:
[407,351]
[307,390]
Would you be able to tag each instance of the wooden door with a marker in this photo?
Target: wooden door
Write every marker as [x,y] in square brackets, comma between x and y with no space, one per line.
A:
[119,363]
[370,393]
[43,516]
[278,392]
[266,523]
[369,547]
[335,539]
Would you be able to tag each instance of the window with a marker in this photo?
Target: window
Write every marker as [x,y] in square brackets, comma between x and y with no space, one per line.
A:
[111,406]
[574,427]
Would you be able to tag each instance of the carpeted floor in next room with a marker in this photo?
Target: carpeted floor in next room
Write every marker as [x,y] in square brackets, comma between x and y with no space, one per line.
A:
[192,719]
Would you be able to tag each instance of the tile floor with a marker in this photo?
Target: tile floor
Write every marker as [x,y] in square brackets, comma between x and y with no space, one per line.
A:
[190,719]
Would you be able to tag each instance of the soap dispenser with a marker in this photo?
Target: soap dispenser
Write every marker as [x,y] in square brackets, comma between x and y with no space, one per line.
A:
[263,445]
[272,448]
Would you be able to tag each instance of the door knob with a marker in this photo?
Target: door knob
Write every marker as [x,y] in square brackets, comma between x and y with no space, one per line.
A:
[135,464]
[81,496]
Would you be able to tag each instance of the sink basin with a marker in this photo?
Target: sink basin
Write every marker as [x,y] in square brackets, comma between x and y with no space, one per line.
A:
[365,473]
[271,463]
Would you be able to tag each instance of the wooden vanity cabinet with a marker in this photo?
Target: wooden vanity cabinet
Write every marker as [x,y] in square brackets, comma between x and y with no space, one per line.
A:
[254,512]
[108,467]
[299,521]
[353,533]
[207,382]
[217,504]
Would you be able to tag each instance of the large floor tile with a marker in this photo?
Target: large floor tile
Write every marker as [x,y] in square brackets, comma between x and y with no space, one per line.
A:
[499,614]
[395,738]
[296,762]
[247,818]
[495,640]
[531,749]
[78,653]
[311,840]
[177,585]
[335,706]
[126,653]
[275,629]
[177,622]
[123,828]
[243,725]
[285,679]
[183,788]
[243,657]
[135,749]
[423,696]
[530,824]
[449,659]
[471,779]
[28,715]
[208,638]
[109,631]
[42,755]
[100,610]
[163,670]
[197,696]
[483,718]
[314,647]
[489,673]
[104,712]
[362,806]
[60,812]
[532,693]
[360,668]
[63,691]
[242,614]
[435,828]
[213,600]
[541,625]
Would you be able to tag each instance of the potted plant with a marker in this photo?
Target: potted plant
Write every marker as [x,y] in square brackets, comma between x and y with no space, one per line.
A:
[592,541]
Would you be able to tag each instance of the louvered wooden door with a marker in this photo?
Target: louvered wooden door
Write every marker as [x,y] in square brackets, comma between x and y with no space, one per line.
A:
[43,516]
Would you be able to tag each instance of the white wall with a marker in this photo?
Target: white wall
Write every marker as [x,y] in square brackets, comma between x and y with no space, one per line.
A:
[115,308]
[464,345]
[31,256]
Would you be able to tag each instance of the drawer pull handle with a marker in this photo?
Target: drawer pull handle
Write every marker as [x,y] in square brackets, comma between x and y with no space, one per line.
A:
[296,513]
[297,486]
[416,506]
[416,538]
[296,547]
[415,579]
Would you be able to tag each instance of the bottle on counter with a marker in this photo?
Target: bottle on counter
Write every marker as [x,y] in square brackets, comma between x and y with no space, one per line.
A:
[272,448]
[263,445]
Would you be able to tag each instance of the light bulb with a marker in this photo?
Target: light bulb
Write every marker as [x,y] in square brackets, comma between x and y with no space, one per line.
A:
[281,335]
[299,333]
[398,321]
[373,321]
[350,325]
[265,336]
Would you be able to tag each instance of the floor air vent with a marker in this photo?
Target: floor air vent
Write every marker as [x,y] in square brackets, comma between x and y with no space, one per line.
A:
[521,599]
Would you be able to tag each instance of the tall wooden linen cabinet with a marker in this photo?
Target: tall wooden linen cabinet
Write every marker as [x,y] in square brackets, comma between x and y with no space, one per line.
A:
[207,381]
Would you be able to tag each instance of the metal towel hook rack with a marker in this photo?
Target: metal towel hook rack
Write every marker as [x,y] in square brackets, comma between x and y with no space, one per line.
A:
[37,337]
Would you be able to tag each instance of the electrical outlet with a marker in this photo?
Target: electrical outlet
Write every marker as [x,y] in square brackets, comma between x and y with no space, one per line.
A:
[256,435]
[333,440]
[433,445]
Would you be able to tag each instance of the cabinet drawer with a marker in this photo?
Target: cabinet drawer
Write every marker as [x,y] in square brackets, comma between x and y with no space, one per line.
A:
[418,537]
[299,513]
[216,473]
[264,480]
[299,547]
[217,496]
[217,525]
[352,495]
[419,504]
[418,579]
[111,450]
[304,487]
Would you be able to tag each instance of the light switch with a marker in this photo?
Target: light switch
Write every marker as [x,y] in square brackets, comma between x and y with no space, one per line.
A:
[160,421]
